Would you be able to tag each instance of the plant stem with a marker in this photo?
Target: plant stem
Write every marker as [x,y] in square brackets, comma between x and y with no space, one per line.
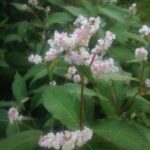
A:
[92,60]
[142,75]
[82,103]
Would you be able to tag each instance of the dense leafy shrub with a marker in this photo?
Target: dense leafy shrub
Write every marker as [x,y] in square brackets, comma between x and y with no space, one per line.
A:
[111,110]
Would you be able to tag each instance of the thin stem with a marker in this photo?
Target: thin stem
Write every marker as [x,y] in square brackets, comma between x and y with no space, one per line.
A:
[142,75]
[82,103]
[92,60]
[131,99]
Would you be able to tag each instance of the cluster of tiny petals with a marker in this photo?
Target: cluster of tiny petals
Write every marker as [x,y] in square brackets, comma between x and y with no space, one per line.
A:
[66,140]
[13,115]
[144,30]
[133,9]
[51,54]
[101,66]
[147,83]
[71,71]
[74,48]
[33,2]
[53,83]
[35,59]
[104,44]
[141,53]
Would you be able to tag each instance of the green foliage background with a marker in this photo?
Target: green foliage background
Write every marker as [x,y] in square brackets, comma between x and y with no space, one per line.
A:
[118,124]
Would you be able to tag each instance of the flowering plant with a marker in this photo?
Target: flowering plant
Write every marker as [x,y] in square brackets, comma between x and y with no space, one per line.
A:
[88,87]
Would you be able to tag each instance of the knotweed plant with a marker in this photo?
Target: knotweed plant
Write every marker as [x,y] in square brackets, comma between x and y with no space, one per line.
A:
[88,87]
[74,48]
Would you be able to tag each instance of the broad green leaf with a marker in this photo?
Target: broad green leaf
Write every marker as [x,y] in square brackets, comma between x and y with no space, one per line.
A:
[59,18]
[57,3]
[39,75]
[12,38]
[75,11]
[19,88]
[34,70]
[113,12]
[6,103]
[75,89]
[62,105]
[135,37]
[121,54]
[107,106]
[20,7]
[118,76]
[122,134]
[120,30]
[12,129]
[22,141]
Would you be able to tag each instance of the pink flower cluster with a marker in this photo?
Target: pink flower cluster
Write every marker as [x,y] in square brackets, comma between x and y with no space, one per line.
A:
[13,115]
[75,50]
[72,74]
[141,53]
[66,140]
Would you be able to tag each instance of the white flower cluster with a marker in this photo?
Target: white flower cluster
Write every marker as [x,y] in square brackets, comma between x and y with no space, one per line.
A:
[147,83]
[133,9]
[100,67]
[33,2]
[104,44]
[13,115]
[141,53]
[66,140]
[35,59]
[74,48]
[144,30]
[72,74]
[70,42]
[53,83]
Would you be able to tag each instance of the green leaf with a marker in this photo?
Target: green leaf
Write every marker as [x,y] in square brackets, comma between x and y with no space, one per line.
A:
[39,75]
[12,38]
[59,18]
[122,76]
[57,3]
[135,37]
[121,54]
[107,106]
[19,87]
[7,103]
[113,12]
[22,141]
[12,129]
[123,134]
[62,105]
[34,70]
[20,7]
[75,89]
[75,11]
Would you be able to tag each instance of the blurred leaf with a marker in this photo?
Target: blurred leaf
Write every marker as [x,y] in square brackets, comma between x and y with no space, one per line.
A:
[57,3]
[59,18]
[135,37]
[6,103]
[122,76]
[34,70]
[12,129]
[22,141]
[21,7]
[75,11]
[113,12]
[19,88]
[61,103]
[76,89]
[123,134]
[12,38]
